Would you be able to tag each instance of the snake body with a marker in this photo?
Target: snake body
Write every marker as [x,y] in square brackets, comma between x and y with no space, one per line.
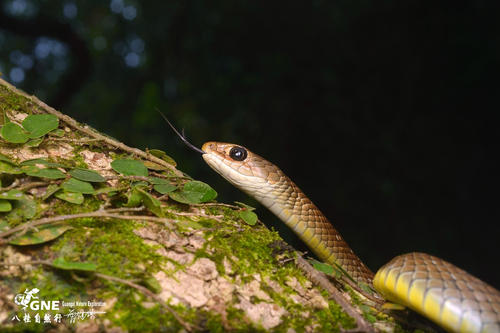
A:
[444,293]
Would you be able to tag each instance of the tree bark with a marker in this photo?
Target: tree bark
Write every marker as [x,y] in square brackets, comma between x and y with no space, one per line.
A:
[130,258]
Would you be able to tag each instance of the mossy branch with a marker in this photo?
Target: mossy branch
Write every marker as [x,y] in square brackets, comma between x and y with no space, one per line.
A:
[201,255]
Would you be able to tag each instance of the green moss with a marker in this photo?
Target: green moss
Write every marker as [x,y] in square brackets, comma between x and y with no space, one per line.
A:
[79,161]
[248,244]
[12,101]
[130,313]
[111,245]
[117,251]
[239,322]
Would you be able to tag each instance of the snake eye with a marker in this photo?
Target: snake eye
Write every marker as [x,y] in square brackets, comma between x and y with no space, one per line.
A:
[238,153]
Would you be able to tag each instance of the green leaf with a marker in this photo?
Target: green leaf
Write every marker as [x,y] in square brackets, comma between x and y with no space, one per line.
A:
[72,197]
[7,159]
[43,173]
[129,167]
[5,206]
[161,154]
[35,161]
[180,197]
[14,133]
[61,263]
[164,188]
[248,216]
[154,166]
[51,173]
[12,195]
[30,169]
[57,132]
[366,288]
[42,235]
[40,124]
[157,180]
[34,142]
[75,185]
[322,267]
[24,207]
[194,192]
[151,203]
[87,175]
[196,187]
[9,168]
[134,198]
[51,189]
[339,272]
[42,161]
[140,183]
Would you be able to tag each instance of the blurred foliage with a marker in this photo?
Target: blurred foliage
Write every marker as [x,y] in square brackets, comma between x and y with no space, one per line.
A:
[384,112]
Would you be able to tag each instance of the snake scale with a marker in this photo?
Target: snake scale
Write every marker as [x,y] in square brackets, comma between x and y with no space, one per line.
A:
[444,293]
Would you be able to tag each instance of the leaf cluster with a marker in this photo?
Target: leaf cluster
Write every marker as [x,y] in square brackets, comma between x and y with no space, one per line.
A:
[32,130]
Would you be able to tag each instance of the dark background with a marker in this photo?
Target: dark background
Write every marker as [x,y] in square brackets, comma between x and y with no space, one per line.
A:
[383,112]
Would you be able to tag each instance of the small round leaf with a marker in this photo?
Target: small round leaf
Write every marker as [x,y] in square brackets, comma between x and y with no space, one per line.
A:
[164,188]
[195,188]
[72,197]
[9,168]
[248,216]
[42,235]
[129,167]
[5,206]
[14,133]
[12,195]
[78,186]
[34,142]
[322,267]
[61,263]
[161,154]
[49,173]
[87,175]
[40,124]
[194,192]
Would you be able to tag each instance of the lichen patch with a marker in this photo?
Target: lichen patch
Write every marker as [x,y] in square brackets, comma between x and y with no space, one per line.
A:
[59,151]
[182,288]
[220,291]
[251,290]
[98,161]
[23,154]
[204,269]
[266,314]
[172,240]
[181,258]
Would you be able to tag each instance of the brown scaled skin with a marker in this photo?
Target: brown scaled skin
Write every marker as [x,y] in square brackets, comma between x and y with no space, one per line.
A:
[444,293]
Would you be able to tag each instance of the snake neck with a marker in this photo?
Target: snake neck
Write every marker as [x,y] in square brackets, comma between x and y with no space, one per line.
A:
[285,199]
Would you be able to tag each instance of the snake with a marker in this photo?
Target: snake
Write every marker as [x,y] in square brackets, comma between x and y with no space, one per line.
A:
[433,287]
[449,296]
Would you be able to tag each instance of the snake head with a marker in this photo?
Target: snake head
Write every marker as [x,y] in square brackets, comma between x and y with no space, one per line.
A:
[239,165]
